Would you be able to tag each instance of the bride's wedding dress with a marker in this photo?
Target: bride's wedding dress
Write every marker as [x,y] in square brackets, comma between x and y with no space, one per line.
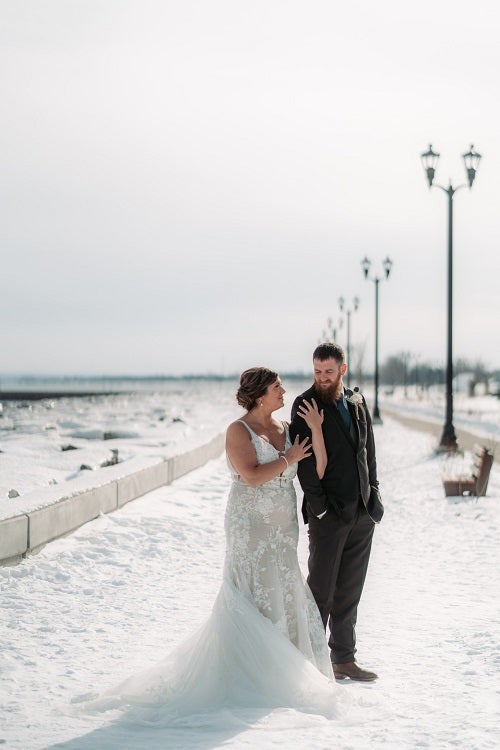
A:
[264,643]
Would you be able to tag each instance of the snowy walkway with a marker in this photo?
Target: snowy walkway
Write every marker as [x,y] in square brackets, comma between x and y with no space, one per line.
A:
[120,592]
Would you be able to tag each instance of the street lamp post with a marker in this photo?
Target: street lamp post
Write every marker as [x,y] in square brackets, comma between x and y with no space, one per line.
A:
[355,305]
[387,265]
[429,161]
[417,357]
[330,334]
[406,357]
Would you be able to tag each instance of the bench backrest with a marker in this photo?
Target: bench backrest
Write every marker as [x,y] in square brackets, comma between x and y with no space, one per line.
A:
[482,468]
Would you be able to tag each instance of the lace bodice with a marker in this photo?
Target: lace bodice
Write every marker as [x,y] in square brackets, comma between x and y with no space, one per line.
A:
[266,452]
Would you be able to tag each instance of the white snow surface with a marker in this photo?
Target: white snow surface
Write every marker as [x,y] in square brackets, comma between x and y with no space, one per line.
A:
[119,593]
[480,415]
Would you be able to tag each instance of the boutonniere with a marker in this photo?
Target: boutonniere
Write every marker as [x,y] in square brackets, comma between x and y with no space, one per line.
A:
[355,399]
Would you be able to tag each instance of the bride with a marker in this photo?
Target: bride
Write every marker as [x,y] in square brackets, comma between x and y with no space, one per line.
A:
[263,644]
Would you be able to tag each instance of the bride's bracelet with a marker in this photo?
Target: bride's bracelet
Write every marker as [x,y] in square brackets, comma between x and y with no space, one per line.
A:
[285,460]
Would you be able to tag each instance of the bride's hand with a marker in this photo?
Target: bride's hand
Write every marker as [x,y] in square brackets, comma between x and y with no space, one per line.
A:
[310,413]
[298,451]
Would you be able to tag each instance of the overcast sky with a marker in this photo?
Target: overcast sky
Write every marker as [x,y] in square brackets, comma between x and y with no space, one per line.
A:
[189,186]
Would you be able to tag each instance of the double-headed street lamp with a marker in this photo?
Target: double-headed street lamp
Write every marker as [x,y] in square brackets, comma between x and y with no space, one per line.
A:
[387,265]
[429,161]
[355,305]
[330,334]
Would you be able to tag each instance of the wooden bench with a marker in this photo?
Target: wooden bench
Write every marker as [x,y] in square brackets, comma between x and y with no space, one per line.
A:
[477,482]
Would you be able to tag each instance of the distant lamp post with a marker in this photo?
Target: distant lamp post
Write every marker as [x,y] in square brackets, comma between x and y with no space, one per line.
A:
[355,305]
[416,375]
[429,161]
[330,333]
[387,265]
[405,358]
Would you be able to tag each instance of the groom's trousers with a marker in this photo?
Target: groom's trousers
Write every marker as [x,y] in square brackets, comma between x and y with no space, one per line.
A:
[338,560]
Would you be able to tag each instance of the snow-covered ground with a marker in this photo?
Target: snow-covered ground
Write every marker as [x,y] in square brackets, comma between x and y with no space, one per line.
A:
[123,590]
[480,414]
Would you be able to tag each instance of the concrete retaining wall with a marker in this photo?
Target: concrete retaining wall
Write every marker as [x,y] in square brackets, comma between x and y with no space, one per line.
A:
[13,539]
[30,531]
[197,457]
[143,481]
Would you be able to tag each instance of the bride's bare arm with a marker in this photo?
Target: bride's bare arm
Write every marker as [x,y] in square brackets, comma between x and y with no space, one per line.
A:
[243,458]
[314,419]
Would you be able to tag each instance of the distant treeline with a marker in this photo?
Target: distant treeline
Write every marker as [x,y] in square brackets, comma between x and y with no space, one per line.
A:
[403,368]
[408,369]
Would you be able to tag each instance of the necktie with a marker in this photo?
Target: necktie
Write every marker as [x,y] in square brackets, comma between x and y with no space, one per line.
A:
[344,412]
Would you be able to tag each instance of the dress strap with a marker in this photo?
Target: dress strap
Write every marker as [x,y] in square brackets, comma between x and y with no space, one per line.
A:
[248,428]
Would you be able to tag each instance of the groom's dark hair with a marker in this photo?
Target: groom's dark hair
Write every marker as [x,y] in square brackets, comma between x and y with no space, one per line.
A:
[329,351]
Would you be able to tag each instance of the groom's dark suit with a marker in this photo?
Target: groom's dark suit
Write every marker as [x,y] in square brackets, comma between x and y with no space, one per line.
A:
[339,541]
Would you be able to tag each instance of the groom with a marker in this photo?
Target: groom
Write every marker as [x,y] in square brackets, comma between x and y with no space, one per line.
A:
[342,508]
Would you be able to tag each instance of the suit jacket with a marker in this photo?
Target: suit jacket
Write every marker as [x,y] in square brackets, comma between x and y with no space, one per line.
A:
[351,472]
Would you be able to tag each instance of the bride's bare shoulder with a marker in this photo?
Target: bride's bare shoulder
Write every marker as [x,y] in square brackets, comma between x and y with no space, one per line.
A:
[237,428]
[237,435]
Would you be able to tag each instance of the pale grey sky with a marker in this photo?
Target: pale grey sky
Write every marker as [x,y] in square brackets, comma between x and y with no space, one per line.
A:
[190,186]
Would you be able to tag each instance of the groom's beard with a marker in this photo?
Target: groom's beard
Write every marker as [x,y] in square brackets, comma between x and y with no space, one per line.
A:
[329,392]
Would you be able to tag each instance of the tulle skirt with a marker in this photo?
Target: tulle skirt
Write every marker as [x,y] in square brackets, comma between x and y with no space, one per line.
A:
[238,658]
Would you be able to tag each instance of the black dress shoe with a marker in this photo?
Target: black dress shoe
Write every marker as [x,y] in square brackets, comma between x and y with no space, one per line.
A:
[351,670]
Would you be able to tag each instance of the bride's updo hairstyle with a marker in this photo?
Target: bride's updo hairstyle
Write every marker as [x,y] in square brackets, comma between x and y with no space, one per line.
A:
[253,385]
